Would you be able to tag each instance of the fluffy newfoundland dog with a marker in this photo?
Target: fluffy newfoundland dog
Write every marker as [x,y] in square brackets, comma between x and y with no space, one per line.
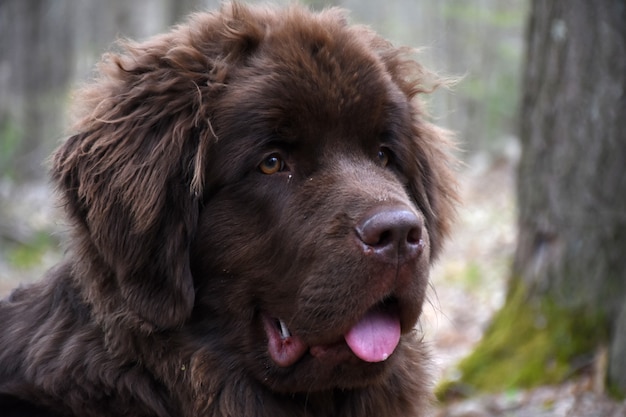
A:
[255,199]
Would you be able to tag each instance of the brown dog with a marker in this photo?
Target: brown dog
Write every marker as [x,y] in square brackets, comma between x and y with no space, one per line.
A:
[256,200]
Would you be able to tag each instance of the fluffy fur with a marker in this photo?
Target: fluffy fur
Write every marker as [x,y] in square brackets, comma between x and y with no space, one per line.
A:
[252,168]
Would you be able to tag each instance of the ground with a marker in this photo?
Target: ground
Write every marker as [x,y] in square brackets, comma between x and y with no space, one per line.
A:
[468,285]
[573,399]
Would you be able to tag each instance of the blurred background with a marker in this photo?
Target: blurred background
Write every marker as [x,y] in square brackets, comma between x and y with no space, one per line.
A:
[48,47]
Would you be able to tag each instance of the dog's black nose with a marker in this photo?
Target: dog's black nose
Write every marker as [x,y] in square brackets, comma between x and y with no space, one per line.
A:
[392,234]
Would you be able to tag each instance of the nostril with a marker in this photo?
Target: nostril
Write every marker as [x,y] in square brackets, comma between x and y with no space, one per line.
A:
[415,235]
[391,232]
[385,237]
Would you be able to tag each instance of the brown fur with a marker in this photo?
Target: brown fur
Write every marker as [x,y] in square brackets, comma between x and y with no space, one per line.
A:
[180,245]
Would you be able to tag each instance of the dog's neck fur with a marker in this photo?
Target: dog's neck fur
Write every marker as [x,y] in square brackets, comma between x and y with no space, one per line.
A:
[43,359]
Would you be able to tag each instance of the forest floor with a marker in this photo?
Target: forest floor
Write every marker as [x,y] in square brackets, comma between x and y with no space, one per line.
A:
[468,286]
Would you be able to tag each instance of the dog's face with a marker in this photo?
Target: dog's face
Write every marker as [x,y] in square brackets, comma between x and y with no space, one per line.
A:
[319,195]
[310,246]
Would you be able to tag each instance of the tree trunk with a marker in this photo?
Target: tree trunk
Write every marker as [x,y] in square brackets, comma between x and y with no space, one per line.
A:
[567,292]
[35,46]
[572,182]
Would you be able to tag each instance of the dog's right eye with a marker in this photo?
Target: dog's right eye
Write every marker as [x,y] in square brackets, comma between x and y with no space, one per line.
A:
[383,156]
[272,164]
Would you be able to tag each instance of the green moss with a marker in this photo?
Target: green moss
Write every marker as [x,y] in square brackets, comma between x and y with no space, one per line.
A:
[529,342]
[616,392]
[473,276]
[30,254]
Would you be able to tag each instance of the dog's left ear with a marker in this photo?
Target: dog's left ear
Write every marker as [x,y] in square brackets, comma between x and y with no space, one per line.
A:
[433,186]
[132,181]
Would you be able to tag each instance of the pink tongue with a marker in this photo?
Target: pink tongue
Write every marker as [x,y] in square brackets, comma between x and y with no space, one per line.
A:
[374,338]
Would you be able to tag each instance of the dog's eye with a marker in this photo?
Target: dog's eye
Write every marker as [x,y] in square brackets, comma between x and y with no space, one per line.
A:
[272,164]
[383,157]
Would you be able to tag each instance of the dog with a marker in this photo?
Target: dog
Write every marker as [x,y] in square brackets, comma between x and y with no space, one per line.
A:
[254,202]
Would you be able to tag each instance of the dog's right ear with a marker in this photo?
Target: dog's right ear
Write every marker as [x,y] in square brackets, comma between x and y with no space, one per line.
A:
[132,177]
[132,189]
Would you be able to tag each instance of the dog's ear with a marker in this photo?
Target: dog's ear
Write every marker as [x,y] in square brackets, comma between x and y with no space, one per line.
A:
[432,185]
[132,177]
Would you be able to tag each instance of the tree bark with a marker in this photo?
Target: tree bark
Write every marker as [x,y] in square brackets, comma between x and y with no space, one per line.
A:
[571,179]
[566,301]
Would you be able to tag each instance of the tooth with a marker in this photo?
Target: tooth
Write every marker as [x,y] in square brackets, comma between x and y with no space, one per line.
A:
[284,330]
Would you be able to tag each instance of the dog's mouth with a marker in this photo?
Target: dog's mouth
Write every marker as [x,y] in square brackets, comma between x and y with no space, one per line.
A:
[373,338]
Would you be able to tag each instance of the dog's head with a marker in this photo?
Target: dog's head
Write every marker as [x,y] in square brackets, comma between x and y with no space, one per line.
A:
[268,179]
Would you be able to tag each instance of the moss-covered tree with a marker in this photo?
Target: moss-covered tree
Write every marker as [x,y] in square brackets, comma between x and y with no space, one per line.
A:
[567,293]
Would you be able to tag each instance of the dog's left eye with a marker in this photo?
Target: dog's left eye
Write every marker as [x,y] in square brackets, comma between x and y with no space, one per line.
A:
[272,164]
[383,156]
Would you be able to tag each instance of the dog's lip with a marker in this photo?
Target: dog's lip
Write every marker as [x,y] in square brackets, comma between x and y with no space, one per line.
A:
[286,348]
